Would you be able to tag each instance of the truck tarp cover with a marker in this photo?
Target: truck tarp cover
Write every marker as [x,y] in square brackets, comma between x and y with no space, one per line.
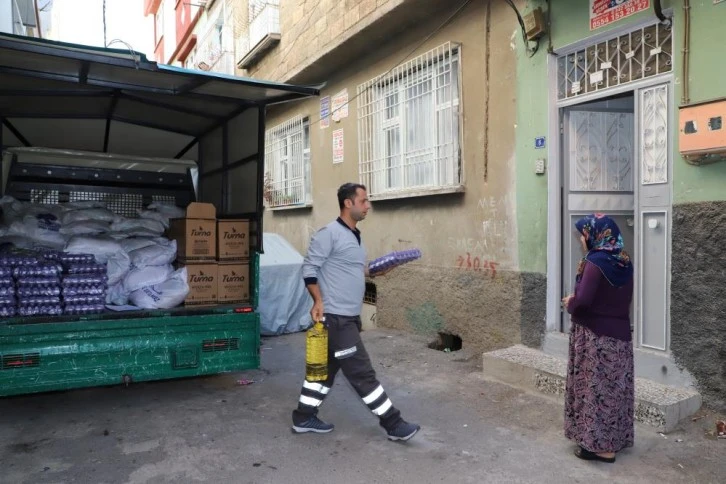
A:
[284,302]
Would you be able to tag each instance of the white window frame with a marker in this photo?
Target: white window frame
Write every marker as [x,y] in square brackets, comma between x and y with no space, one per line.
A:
[287,165]
[412,145]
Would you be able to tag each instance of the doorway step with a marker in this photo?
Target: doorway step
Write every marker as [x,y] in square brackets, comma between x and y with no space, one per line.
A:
[657,405]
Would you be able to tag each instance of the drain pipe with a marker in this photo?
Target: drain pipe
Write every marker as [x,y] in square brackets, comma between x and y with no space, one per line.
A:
[685,99]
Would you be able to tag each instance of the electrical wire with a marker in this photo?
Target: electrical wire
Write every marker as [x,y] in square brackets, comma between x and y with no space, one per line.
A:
[530,51]
[134,55]
[407,56]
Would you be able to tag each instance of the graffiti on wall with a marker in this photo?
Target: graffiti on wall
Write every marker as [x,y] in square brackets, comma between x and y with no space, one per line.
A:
[492,245]
[477,264]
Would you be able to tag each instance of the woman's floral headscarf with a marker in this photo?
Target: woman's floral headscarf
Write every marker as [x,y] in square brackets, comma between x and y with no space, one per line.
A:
[605,249]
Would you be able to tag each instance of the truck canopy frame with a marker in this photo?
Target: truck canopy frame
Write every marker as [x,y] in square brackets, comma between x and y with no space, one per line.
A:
[75,97]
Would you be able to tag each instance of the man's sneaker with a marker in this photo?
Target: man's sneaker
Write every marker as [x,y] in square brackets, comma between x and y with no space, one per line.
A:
[403,431]
[313,424]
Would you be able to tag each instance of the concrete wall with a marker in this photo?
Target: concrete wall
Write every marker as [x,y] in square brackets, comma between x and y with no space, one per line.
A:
[440,292]
[319,36]
[310,28]
[698,326]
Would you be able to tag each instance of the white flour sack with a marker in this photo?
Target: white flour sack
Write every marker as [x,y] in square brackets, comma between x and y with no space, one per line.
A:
[168,294]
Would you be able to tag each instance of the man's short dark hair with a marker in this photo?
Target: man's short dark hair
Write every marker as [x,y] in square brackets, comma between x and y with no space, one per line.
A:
[348,191]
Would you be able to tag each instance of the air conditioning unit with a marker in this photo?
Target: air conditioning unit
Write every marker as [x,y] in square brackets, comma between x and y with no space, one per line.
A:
[702,137]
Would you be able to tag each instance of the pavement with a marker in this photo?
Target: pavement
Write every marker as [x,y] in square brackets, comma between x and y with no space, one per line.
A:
[214,429]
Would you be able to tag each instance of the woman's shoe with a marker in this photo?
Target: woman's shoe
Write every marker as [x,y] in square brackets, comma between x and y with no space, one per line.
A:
[585,454]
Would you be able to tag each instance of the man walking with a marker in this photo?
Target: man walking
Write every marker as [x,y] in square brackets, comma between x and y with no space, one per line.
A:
[334,270]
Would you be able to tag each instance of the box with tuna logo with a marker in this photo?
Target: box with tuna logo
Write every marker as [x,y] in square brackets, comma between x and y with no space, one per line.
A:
[203,282]
[233,240]
[234,284]
[196,233]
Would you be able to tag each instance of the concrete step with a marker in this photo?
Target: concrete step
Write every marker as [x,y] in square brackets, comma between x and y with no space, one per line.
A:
[657,405]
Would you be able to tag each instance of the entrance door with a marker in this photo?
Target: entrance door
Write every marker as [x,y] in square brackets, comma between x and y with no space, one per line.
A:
[598,144]
[654,202]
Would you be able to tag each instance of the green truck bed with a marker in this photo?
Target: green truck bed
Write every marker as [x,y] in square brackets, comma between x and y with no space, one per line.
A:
[38,355]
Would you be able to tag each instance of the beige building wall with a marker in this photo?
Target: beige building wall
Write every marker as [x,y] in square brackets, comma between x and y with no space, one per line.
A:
[456,232]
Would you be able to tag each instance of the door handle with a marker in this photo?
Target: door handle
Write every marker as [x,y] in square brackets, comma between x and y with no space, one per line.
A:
[653,224]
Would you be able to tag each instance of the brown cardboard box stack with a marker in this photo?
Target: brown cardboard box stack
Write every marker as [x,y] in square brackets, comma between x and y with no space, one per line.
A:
[233,254]
[216,254]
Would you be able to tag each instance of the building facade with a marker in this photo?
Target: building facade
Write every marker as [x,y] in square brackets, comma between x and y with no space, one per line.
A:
[622,98]
[481,148]
[418,105]
[198,35]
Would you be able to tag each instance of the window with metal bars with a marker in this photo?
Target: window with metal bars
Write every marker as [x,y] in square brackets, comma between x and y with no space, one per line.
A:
[287,164]
[630,57]
[408,126]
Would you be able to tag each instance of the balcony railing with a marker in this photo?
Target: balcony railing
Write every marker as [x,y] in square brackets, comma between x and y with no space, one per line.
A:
[263,32]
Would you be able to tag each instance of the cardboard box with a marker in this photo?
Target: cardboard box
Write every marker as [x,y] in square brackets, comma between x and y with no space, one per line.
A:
[233,240]
[203,282]
[234,283]
[196,234]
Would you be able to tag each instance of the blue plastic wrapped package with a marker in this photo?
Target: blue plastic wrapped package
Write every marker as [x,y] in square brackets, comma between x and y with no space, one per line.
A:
[38,281]
[50,255]
[8,301]
[85,268]
[39,301]
[83,299]
[33,291]
[8,311]
[81,309]
[14,259]
[6,271]
[89,290]
[66,258]
[394,259]
[7,281]
[45,310]
[84,280]
[7,291]
[51,269]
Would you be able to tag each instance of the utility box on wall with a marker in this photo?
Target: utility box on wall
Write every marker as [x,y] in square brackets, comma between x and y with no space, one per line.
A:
[702,131]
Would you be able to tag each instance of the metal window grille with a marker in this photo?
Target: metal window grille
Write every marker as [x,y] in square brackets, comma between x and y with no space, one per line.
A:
[627,58]
[370,295]
[408,125]
[287,163]
[125,204]
[164,199]
[45,197]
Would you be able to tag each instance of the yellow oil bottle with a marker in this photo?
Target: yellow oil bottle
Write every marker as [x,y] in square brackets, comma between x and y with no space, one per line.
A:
[316,353]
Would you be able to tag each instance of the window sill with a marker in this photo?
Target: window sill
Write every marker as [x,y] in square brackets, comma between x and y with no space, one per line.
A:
[420,192]
[282,208]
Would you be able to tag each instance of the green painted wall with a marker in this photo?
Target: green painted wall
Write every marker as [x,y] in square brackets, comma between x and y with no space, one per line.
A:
[570,23]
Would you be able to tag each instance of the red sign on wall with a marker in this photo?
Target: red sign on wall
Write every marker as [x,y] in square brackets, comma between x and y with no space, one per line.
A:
[604,12]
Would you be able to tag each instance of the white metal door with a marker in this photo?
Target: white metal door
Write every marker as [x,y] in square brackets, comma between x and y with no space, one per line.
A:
[654,202]
[598,146]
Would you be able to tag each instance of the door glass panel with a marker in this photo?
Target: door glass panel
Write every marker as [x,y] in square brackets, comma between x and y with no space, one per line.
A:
[654,135]
[601,151]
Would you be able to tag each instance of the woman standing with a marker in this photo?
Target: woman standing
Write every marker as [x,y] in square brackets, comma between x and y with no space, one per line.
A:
[599,396]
